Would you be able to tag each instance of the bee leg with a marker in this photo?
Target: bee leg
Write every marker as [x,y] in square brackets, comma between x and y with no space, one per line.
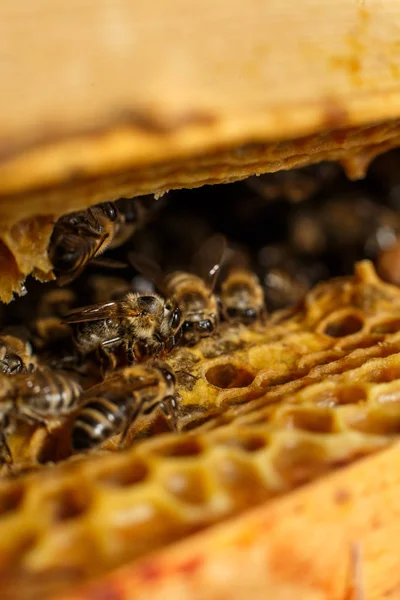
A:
[33,419]
[136,352]
[107,360]
[169,406]
[131,417]
[5,452]
[172,342]
[130,353]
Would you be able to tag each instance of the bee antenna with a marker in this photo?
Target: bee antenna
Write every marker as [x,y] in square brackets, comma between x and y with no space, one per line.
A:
[214,273]
[187,373]
[226,255]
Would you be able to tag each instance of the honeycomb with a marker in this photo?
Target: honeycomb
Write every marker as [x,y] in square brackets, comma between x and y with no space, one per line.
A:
[262,410]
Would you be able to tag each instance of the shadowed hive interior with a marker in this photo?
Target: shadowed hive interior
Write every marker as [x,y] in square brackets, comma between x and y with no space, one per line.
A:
[24,235]
[311,389]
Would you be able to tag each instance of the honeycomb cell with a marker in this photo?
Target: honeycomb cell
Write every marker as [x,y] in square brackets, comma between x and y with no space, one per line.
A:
[188,485]
[309,418]
[247,441]
[228,375]
[242,480]
[300,459]
[386,327]
[340,394]
[380,421]
[16,550]
[179,447]
[125,474]
[385,374]
[68,503]
[343,326]
[388,395]
[351,394]
[362,342]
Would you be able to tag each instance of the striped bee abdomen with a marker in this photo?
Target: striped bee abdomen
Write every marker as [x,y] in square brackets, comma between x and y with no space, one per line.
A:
[48,393]
[99,419]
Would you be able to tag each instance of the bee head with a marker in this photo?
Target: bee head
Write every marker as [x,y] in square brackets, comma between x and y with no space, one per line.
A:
[110,210]
[15,364]
[66,255]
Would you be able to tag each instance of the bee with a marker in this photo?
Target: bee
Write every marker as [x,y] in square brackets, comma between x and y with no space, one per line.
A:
[199,305]
[111,407]
[388,263]
[55,302]
[36,398]
[296,185]
[83,236]
[140,325]
[15,354]
[194,295]
[329,231]
[79,237]
[241,294]
[283,290]
[134,214]
[105,288]
[286,276]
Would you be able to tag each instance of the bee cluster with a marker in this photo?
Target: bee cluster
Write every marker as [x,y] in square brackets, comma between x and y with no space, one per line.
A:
[139,277]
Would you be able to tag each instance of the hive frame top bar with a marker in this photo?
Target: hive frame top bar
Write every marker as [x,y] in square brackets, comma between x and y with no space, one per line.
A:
[88,89]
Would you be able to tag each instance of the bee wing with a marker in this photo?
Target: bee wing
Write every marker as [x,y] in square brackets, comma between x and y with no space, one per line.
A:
[148,268]
[94,312]
[235,258]
[208,260]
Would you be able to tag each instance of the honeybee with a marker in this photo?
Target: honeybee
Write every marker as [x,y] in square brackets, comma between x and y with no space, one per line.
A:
[105,288]
[241,294]
[47,332]
[296,185]
[388,263]
[287,277]
[112,407]
[83,236]
[283,290]
[134,214]
[15,355]
[36,398]
[199,305]
[194,295]
[55,302]
[140,325]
